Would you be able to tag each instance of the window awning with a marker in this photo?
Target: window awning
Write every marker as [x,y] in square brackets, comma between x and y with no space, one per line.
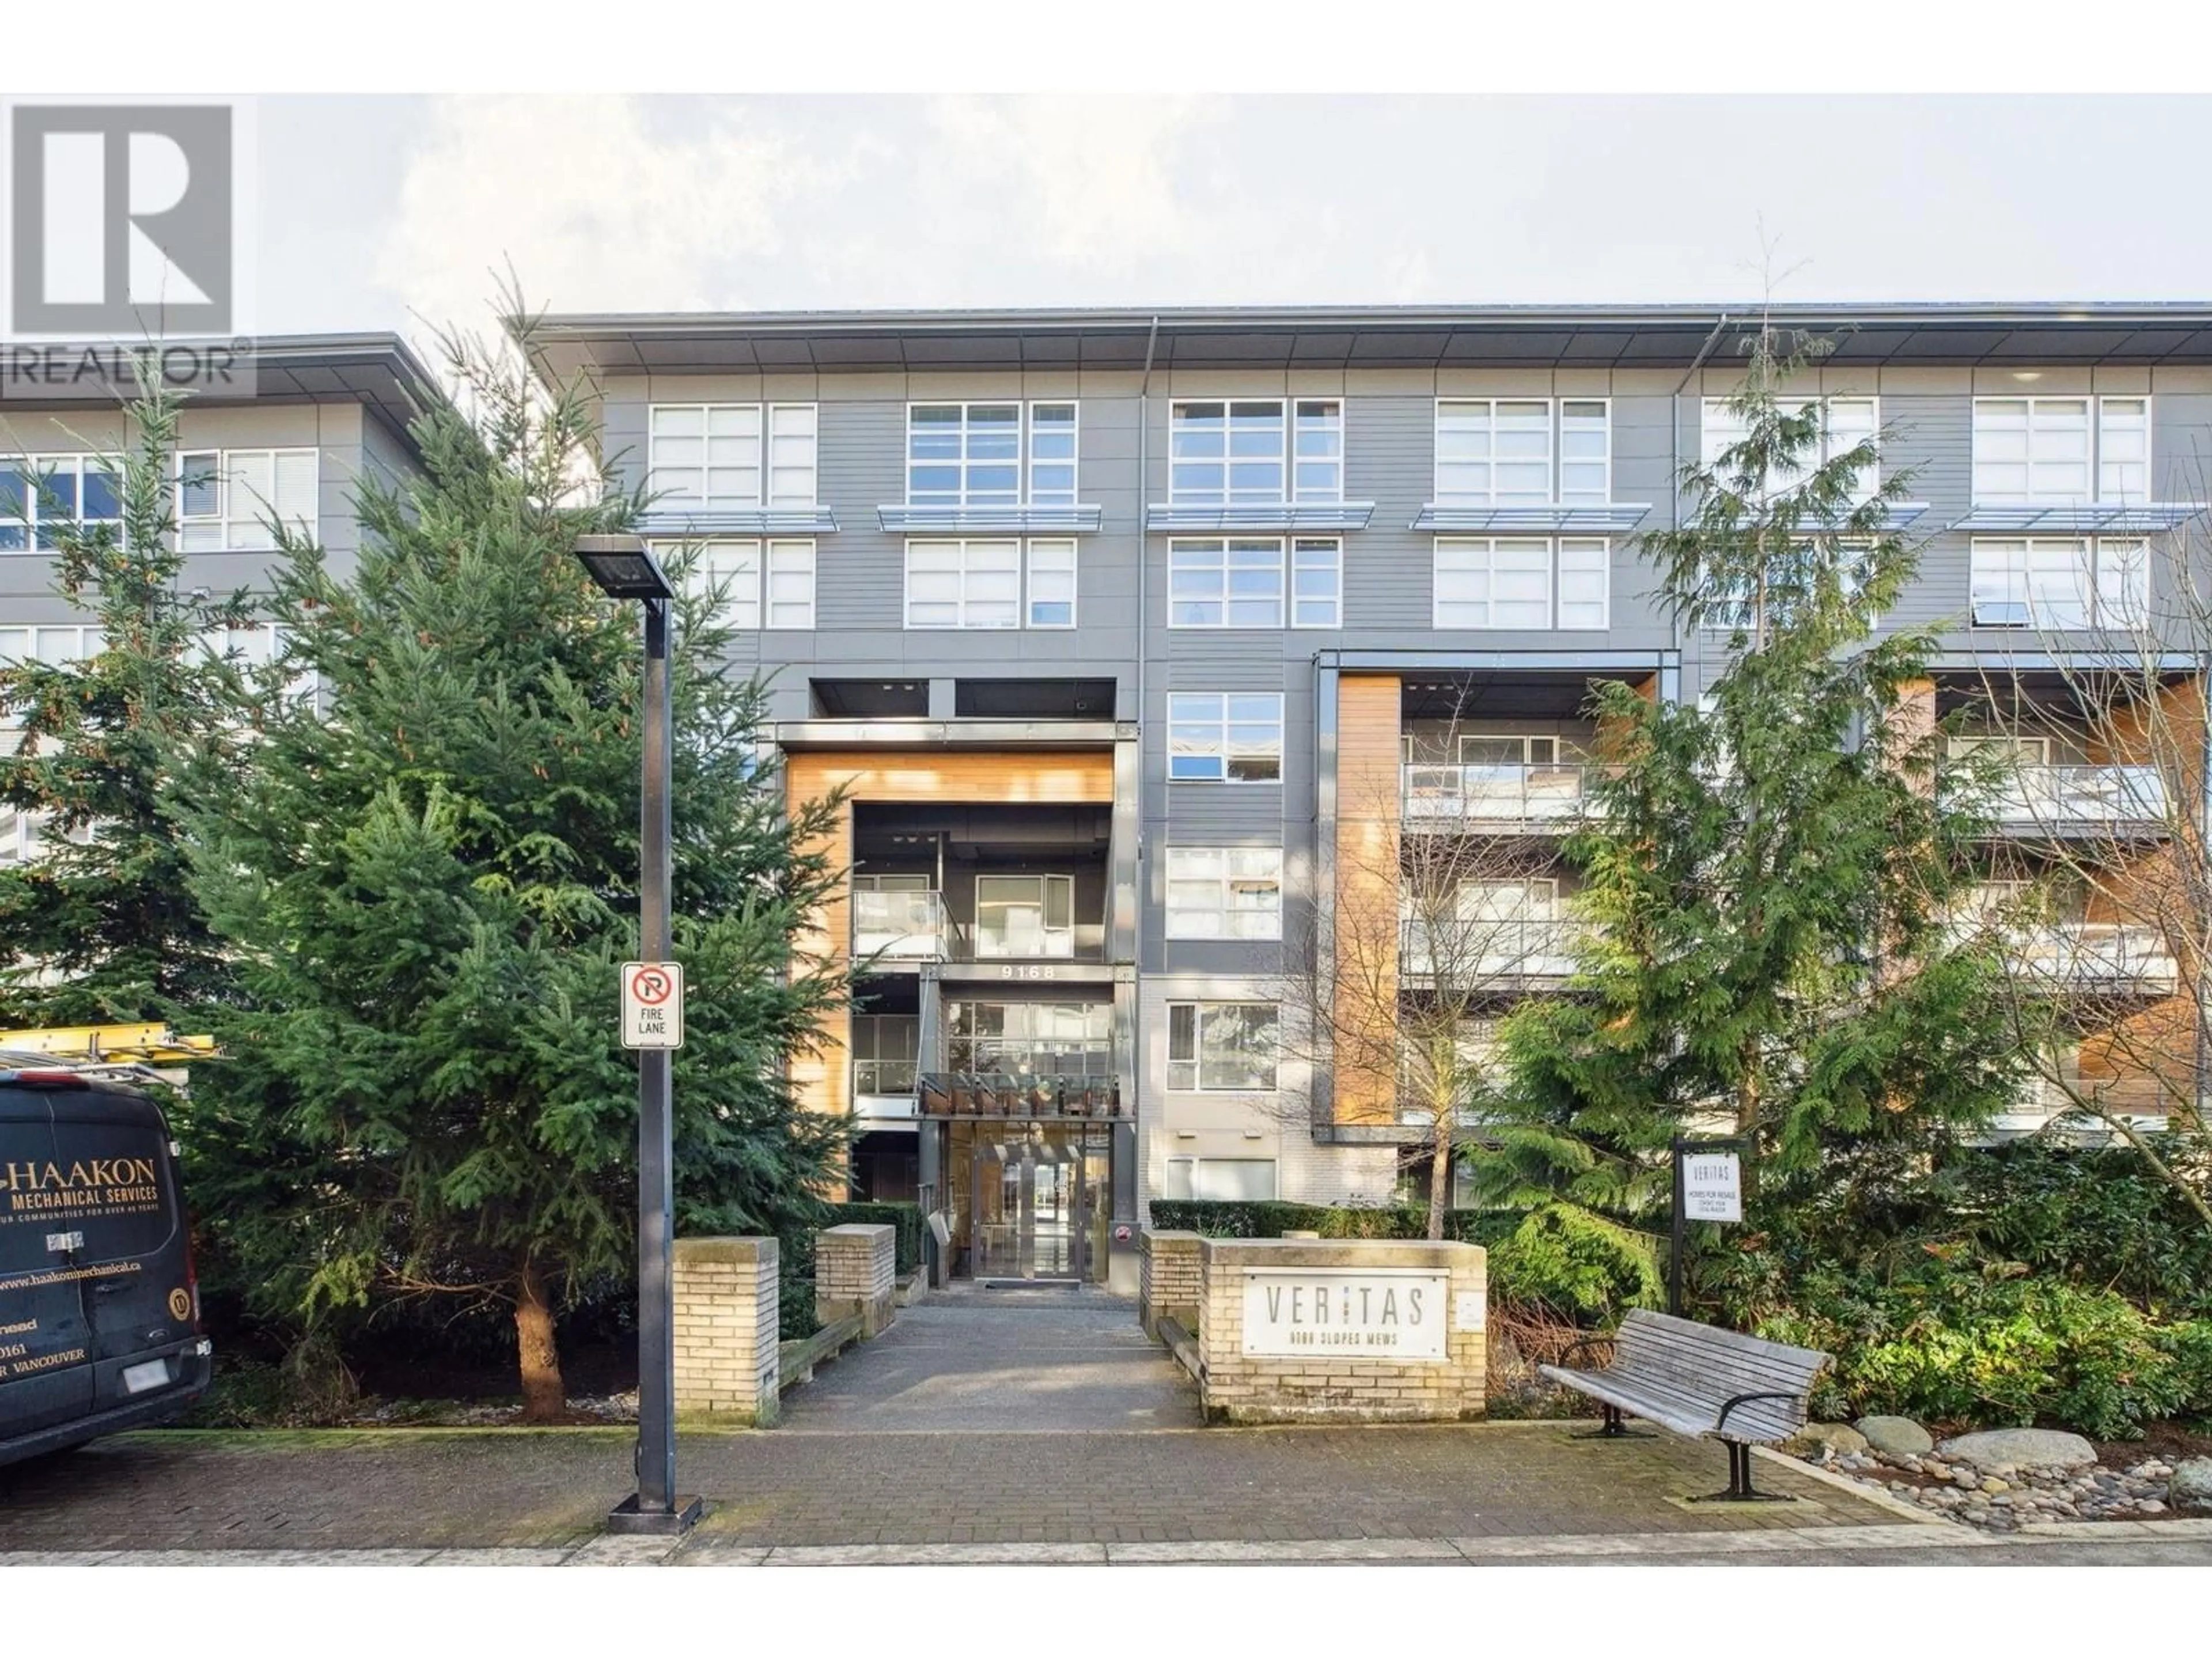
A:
[2081,519]
[1612,518]
[1261,517]
[1019,520]
[739,521]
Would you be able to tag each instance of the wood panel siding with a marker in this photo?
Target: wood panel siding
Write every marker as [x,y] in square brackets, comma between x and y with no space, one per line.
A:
[1365,967]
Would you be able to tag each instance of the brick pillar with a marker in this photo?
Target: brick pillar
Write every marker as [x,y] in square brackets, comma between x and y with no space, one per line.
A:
[1169,1287]
[855,1273]
[727,1328]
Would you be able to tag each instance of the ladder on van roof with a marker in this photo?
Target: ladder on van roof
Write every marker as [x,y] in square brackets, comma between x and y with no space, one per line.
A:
[148,1043]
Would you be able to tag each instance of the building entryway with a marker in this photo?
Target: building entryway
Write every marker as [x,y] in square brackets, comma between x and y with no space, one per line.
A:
[1016,1361]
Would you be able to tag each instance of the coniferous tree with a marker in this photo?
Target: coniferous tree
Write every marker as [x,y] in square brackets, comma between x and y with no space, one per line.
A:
[1770,874]
[100,927]
[429,879]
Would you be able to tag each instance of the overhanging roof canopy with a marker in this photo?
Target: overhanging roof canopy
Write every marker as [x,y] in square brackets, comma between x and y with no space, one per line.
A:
[1384,337]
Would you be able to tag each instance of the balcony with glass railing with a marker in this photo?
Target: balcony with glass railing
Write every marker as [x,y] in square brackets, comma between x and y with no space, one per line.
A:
[1012,1077]
[909,927]
[2034,798]
[1536,796]
[1472,954]
[2062,1111]
[2095,957]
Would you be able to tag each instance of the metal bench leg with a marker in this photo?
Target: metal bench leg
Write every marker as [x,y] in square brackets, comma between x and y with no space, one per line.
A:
[1615,1429]
[1740,1489]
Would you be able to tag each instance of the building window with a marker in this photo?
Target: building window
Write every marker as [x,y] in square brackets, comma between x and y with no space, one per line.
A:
[973,455]
[1227,1047]
[1233,1178]
[1316,582]
[1250,452]
[1224,892]
[1502,581]
[1040,1039]
[1052,454]
[66,642]
[1052,585]
[2040,449]
[41,495]
[1500,451]
[969,584]
[2043,582]
[706,457]
[1233,583]
[1233,737]
[735,568]
[226,498]
[1847,424]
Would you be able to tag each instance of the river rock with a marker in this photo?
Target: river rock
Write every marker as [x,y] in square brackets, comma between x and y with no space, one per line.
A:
[1839,1437]
[2188,1489]
[1896,1437]
[1992,1448]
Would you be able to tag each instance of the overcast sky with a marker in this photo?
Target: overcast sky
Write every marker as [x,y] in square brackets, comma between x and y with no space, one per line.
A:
[375,211]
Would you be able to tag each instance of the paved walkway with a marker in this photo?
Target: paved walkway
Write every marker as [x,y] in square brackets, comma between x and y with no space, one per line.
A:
[1005,1362]
[1026,1425]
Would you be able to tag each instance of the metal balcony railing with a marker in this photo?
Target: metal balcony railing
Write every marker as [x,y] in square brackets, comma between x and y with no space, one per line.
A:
[1019,1094]
[883,1077]
[2096,956]
[2063,798]
[901,926]
[1472,793]
[2044,1105]
[1472,953]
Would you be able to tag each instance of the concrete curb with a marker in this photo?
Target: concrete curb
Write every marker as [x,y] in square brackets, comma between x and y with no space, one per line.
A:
[1809,1543]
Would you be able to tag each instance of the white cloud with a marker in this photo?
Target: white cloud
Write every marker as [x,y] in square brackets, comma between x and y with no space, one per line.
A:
[1093,180]
[592,207]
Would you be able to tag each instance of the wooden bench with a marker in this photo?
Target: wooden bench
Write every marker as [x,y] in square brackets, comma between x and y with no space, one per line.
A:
[1699,1381]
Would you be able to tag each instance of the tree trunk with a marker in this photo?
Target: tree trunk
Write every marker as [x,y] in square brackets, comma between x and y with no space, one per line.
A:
[544,1399]
[1440,1173]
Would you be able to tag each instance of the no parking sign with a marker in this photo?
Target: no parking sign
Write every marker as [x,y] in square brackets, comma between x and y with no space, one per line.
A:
[652,1005]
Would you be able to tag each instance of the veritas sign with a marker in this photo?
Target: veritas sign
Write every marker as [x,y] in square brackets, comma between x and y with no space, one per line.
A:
[1373,1313]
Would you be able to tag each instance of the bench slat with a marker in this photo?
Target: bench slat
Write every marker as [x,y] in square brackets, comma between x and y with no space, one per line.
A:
[1680,1374]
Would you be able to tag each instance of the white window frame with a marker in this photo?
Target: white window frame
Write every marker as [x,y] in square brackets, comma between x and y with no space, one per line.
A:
[28,642]
[236,524]
[1291,454]
[967,578]
[2105,427]
[1211,876]
[23,526]
[1477,420]
[1195,1061]
[1718,430]
[1191,559]
[2095,582]
[778,445]
[1053,560]
[751,564]
[1218,727]
[1316,557]
[1024,464]
[1187,1178]
[788,580]
[1472,563]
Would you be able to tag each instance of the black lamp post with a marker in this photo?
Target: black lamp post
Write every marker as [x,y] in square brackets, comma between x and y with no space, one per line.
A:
[624,569]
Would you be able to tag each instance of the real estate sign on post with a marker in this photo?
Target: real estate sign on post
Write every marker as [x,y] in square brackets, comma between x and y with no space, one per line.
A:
[1712,1187]
[652,1005]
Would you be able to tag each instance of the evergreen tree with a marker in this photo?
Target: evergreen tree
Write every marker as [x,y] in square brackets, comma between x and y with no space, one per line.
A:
[100,927]
[428,881]
[1771,874]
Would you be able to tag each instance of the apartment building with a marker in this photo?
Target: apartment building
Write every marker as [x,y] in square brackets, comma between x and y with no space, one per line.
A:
[1132,636]
[313,417]
[1130,633]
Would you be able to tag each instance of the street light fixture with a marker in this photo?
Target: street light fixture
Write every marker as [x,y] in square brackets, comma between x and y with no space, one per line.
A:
[624,569]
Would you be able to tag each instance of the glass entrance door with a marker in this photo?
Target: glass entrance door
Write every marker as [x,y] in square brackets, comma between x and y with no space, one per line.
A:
[1032,1206]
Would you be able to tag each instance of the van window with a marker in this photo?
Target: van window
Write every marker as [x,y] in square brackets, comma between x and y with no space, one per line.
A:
[115,1189]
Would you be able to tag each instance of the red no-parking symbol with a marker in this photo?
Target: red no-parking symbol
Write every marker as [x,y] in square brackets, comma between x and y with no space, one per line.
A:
[652,1005]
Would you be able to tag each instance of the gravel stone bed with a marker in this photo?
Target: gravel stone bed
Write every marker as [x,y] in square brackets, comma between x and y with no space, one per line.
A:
[2006,1496]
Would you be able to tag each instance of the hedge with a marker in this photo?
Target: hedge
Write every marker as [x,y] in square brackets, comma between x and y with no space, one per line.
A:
[1271,1217]
[906,1218]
